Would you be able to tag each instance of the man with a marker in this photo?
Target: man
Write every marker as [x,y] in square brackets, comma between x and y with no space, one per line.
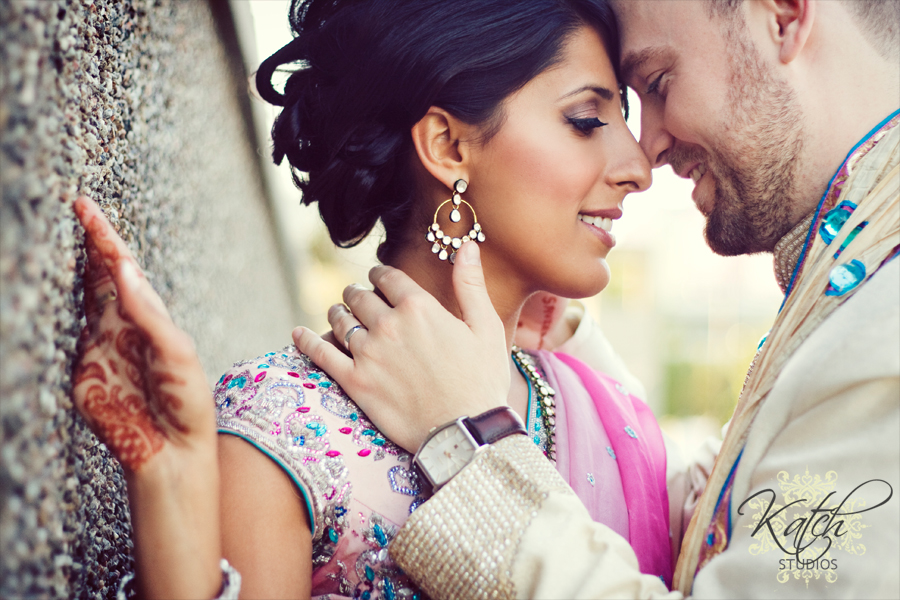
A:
[784,113]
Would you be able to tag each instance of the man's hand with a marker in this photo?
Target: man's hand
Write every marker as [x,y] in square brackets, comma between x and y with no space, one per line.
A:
[415,366]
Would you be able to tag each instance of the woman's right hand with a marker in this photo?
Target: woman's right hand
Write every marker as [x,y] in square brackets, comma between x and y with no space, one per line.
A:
[140,387]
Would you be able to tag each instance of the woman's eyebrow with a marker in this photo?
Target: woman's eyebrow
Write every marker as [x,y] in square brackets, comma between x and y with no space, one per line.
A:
[601,91]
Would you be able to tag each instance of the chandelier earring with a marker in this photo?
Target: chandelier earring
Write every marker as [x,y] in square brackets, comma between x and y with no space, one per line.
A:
[442,244]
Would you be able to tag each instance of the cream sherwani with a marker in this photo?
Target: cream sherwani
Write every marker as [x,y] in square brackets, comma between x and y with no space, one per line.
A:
[827,421]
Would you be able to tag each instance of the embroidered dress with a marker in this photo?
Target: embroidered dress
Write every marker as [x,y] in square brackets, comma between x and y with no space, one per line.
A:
[360,488]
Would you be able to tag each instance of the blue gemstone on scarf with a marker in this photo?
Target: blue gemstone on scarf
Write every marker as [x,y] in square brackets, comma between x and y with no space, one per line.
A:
[630,431]
[378,442]
[340,511]
[611,452]
[388,590]
[366,594]
[537,440]
[262,366]
[370,574]
[537,426]
[368,432]
[354,417]
[325,384]
[332,535]
[238,381]
[711,539]
[846,277]
[835,219]
[850,237]
[315,376]
[380,537]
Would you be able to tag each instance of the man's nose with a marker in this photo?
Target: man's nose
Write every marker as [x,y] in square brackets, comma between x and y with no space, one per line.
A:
[656,141]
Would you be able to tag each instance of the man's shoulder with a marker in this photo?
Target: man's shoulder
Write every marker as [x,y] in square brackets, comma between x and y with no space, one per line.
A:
[857,343]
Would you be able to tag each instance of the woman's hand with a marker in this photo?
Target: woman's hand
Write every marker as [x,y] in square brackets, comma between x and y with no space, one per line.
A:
[542,325]
[416,366]
[140,386]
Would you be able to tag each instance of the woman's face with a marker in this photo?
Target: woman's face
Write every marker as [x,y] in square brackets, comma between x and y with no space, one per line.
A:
[550,183]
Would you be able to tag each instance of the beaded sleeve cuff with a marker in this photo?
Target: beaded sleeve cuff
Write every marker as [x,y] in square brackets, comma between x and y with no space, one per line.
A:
[463,541]
[231,584]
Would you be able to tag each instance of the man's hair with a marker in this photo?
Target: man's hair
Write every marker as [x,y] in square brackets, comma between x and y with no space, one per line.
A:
[878,19]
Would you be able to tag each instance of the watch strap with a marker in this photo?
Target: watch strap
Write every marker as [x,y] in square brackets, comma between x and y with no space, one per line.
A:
[494,425]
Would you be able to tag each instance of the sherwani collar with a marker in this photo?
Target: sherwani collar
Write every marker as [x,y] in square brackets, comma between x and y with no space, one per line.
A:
[788,249]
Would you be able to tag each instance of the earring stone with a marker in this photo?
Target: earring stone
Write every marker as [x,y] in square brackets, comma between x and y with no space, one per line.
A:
[444,245]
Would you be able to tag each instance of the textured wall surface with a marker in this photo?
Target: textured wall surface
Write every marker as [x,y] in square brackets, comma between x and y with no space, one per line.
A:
[136,104]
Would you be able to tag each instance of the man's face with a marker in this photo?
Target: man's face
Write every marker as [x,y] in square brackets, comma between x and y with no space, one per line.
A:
[714,110]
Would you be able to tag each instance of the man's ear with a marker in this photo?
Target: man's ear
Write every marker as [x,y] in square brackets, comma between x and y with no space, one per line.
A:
[791,23]
[440,142]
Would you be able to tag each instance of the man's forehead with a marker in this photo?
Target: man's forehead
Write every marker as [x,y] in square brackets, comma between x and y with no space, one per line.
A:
[650,28]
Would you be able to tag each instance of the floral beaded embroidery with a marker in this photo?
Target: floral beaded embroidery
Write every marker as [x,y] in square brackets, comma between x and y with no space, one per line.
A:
[292,411]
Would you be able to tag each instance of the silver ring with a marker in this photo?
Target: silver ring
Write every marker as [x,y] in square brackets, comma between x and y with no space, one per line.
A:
[349,335]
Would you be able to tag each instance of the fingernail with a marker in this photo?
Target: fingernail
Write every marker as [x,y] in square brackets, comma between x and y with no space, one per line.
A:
[297,332]
[469,254]
[129,274]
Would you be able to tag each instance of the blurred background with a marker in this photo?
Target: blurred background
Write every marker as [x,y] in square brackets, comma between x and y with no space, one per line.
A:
[687,322]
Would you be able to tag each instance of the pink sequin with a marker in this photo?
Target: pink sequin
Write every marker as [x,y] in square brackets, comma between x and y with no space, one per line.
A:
[260,376]
[292,374]
[310,386]
[364,452]
[303,409]
[345,430]
[332,453]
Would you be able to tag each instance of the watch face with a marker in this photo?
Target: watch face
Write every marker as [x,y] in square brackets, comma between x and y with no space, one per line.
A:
[446,454]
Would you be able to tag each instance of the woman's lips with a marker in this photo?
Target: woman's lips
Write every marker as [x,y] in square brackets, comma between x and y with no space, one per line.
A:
[601,227]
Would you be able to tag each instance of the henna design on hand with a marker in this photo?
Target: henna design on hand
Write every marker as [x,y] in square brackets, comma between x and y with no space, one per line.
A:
[129,344]
[91,370]
[125,381]
[123,424]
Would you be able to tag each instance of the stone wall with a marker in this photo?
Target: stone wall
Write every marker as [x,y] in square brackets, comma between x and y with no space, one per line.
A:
[140,104]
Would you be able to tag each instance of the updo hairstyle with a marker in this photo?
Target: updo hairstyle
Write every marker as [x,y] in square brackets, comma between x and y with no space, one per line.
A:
[370,69]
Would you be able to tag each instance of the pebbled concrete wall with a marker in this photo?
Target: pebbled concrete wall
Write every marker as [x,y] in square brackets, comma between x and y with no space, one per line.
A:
[140,104]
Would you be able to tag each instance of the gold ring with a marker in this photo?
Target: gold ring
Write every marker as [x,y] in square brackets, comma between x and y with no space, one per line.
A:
[106,298]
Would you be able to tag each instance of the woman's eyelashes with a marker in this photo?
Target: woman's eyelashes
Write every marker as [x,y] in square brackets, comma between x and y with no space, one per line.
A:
[585,126]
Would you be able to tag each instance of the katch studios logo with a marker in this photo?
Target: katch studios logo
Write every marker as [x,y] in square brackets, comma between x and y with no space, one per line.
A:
[811,523]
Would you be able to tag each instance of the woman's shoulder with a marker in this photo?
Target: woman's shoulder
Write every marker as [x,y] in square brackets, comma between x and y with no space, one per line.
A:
[288,408]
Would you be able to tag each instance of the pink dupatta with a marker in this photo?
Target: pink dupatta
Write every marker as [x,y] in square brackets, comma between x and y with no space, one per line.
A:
[637,443]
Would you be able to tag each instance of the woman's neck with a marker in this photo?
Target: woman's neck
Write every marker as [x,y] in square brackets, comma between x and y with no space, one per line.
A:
[507,293]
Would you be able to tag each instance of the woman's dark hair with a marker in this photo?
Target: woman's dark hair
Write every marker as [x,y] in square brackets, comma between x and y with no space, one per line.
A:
[371,69]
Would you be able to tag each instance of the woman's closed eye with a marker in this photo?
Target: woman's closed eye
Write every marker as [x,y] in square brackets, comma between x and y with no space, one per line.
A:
[585,126]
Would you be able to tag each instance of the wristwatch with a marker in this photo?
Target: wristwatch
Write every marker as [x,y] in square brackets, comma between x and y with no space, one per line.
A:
[450,447]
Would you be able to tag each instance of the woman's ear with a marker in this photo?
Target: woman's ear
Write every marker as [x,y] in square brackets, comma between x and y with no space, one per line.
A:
[440,142]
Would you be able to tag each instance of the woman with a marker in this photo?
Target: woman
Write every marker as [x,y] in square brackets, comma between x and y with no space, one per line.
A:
[472,122]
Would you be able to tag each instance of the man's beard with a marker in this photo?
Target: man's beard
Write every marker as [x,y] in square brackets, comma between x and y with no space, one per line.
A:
[754,165]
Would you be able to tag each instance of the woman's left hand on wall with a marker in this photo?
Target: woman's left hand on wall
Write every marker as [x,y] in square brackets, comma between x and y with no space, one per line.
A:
[138,382]
[139,385]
